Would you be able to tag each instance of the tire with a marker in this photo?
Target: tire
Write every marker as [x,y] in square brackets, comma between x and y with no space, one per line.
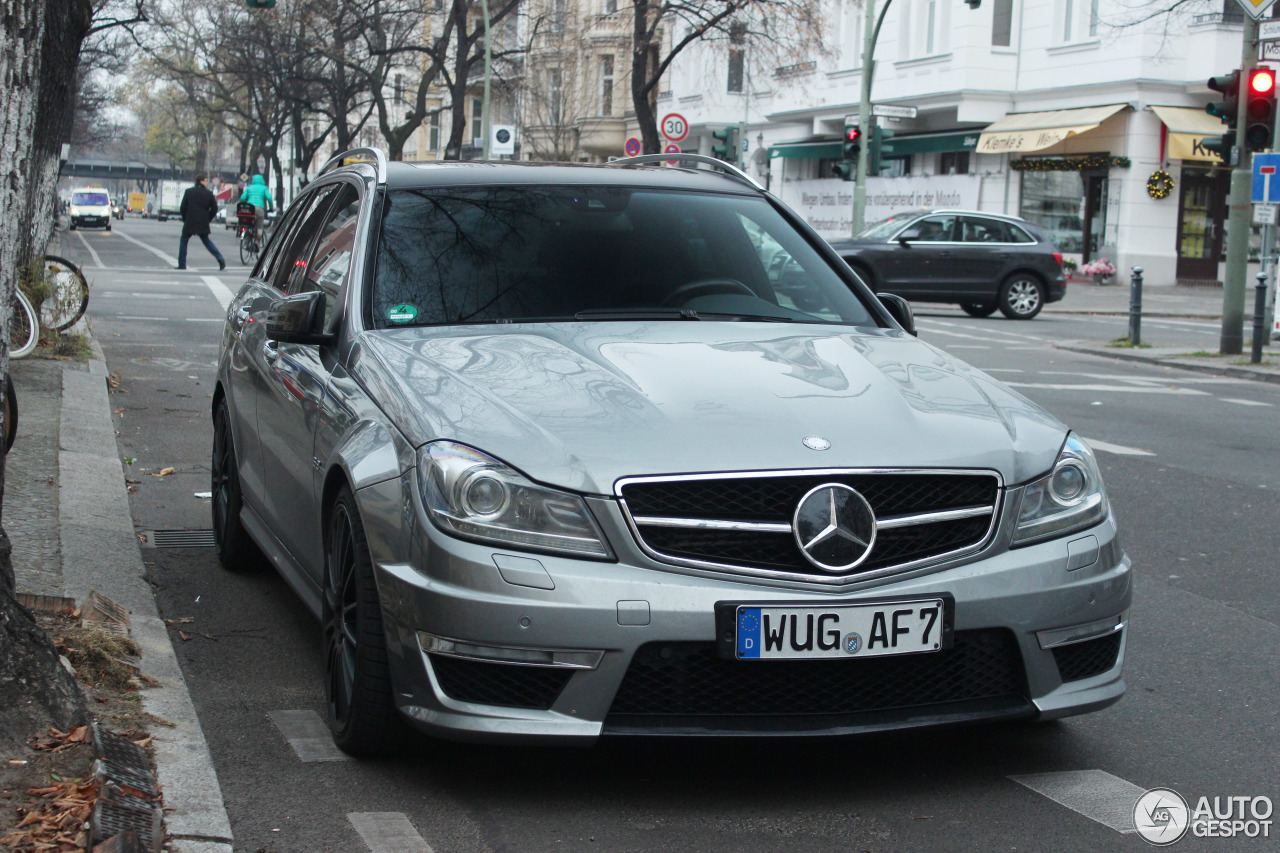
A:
[1021,296]
[864,273]
[10,413]
[236,550]
[69,299]
[978,309]
[358,699]
[24,327]
[248,249]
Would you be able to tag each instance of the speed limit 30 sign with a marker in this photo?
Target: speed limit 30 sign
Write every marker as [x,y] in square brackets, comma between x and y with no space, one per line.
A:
[674,127]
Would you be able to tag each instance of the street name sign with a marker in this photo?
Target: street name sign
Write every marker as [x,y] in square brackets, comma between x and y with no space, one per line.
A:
[886,111]
[1268,30]
[1255,9]
[1266,182]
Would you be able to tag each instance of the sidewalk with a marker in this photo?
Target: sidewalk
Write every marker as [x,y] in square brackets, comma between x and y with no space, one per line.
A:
[1168,301]
[67,513]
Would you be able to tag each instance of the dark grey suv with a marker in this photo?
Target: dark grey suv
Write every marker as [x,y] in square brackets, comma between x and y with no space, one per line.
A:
[982,261]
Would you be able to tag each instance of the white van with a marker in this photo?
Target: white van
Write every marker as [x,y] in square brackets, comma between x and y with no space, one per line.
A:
[90,206]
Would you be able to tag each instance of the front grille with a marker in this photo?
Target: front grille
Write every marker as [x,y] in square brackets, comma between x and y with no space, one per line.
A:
[1087,659]
[503,684]
[773,500]
[690,680]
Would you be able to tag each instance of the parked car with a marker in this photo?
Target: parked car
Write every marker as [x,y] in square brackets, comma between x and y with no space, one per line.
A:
[562,451]
[983,261]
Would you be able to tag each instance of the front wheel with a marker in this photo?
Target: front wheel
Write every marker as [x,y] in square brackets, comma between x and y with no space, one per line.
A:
[1021,297]
[361,712]
[978,309]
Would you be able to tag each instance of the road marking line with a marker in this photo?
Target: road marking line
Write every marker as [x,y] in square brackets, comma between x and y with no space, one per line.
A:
[1118,449]
[1096,794]
[989,331]
[97,260]
[205,319]
[1182,380]
[968,346]
[308,735]
[388,832]
[1002,370]
[1122,389]
[132,317]
[220,291]
[167,258]
[1245,402]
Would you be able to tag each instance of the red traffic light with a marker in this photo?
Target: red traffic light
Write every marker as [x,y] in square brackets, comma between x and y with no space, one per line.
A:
[1262,81]
[852,134]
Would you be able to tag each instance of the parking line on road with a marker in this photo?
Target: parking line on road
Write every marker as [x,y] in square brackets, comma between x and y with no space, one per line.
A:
[388,832]
[1096,794]
[308,735]
[97,260]
[1245,402]
[220,290]
[1118,449]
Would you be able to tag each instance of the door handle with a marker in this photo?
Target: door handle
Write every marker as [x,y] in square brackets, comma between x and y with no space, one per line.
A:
[270,351]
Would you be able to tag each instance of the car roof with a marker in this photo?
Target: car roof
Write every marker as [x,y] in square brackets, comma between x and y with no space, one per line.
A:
[402,175]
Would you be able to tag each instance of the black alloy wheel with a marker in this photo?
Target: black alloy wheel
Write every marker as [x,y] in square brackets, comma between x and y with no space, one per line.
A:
[361,711]
[236,550]
[1021,296]
[978,309]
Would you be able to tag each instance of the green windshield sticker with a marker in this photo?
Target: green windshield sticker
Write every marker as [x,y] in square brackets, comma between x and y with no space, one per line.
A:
[402,313]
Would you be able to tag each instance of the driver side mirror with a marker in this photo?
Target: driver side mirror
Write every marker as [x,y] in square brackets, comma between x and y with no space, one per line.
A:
[298,319]
[912,233]
[900,310]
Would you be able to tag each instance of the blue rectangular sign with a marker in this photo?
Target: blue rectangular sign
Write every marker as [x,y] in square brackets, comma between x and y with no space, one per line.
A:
[1266,179]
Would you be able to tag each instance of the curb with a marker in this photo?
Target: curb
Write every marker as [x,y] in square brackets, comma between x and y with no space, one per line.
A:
[1231,370]
[100,551]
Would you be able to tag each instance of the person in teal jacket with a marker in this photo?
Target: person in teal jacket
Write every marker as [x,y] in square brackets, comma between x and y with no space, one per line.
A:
[258,195]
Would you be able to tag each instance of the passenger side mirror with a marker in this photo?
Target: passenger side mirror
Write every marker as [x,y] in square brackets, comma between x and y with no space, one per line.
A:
[912,233]
[900,310]
[298,319]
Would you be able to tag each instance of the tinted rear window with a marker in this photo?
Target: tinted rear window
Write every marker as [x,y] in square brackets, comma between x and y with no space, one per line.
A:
[89,198]
[540,253]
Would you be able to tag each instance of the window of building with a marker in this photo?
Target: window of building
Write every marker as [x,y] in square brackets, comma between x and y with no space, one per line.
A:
[477,122]
[556,24]
[433,131]
[1002,23]
[1068,13]
[398,88]
[610,6]
[1093,18]
[953,163]
[606,85]
[931,27]
[737,69]
[555,92]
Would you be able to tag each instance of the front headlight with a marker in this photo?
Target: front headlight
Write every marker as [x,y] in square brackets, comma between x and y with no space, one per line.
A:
[477,497]
[75,211]
[1070,497]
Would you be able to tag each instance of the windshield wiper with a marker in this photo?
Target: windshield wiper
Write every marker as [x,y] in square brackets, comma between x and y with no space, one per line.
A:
[750,318]
[637,314]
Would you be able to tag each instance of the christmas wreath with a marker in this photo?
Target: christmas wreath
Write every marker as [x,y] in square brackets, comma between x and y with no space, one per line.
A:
[1160,184]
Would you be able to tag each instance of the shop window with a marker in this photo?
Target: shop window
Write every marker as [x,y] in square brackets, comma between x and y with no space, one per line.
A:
[953,163]
[1054,201]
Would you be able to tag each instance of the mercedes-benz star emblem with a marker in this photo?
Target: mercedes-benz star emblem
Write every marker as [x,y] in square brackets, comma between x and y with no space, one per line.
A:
[834,527]
[816,442]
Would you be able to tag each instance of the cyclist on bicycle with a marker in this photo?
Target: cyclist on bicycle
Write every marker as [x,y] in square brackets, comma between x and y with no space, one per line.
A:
[258,195]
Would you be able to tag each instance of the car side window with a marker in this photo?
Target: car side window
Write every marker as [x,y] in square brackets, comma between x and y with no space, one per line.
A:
[975,229]
[327,268]
[292,263]
[1017,235]
[931,229]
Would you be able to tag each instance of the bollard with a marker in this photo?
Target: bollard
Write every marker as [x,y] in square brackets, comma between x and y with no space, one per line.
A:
[1259,318]
[1135,307]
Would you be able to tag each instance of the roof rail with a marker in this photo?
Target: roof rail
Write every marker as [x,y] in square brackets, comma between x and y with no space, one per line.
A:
[358,155]
[728,168]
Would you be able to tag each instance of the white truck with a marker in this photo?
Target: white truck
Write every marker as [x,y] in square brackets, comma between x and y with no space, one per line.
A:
[170,200]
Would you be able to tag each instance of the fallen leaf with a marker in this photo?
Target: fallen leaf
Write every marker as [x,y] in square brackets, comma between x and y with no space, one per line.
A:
[182,620]
[163,471]
[183,636]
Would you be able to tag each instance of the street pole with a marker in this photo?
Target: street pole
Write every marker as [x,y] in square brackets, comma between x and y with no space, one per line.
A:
[869,30]
[1239,219]
[488,66]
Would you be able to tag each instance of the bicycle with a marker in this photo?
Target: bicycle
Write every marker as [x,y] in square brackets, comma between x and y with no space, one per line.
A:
[68,298]
[10,413]
[24,326]
[250,239]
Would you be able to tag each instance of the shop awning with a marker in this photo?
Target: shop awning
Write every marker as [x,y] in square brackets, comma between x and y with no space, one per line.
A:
[1037,131]
[896,146]
[820,149]
[1187,129]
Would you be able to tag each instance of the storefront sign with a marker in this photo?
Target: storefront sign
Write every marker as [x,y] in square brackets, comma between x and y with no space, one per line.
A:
[1186,146]
[827,204]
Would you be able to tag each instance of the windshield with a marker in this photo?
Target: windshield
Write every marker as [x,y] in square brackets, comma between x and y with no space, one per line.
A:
[89,198]
[886,228]
[541,254]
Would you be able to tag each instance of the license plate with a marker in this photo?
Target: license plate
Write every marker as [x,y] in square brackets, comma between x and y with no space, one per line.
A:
[790,632]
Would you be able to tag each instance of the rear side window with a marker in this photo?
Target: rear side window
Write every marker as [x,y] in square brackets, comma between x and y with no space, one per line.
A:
[1017,235]
[976,229]
[546,253]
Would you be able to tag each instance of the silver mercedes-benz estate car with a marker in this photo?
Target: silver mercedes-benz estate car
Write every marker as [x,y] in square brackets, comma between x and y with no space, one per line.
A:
[556,452]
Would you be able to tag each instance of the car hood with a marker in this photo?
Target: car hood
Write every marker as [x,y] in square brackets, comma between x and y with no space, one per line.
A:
[579,405]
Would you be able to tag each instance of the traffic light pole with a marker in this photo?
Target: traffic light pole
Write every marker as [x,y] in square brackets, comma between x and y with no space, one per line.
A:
[869,32]
[1240,218]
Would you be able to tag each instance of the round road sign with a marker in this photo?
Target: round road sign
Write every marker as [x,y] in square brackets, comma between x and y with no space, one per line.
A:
[674,127]
[671,149]
[632,147]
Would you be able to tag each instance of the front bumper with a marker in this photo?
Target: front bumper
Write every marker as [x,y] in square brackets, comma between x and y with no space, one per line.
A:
[638,614]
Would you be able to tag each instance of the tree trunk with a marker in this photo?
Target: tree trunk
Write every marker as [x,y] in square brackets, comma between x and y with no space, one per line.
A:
[650,142]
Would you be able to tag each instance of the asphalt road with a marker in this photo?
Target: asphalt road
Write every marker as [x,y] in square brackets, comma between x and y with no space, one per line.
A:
[1193,468]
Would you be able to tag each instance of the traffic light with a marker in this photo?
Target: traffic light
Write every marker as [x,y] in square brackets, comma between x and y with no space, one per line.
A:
[1228,108]
[852,142]
[260,4]
[878,138]
[728,149]
[1221,145]
[1260,109]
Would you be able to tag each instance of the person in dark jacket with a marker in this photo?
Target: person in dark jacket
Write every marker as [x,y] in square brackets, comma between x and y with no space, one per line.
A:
[198,209]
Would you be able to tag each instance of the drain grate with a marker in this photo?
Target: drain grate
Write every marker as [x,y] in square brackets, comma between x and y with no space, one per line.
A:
[181,538]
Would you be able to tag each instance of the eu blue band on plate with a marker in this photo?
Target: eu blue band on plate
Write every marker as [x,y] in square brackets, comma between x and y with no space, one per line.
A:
[749,632]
